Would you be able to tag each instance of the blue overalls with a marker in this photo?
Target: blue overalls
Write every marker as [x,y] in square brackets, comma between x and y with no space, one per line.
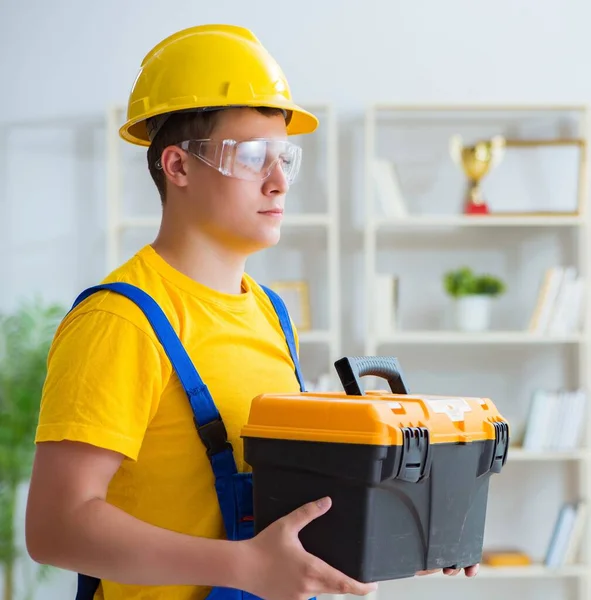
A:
[234,489]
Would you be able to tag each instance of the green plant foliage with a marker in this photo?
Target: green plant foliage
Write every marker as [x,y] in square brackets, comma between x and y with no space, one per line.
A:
[25,338]
[464,282]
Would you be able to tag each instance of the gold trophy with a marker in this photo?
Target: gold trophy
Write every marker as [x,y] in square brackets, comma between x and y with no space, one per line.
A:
[476,161]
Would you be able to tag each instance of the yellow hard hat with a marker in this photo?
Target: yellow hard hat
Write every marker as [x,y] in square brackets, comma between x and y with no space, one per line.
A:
[209,66]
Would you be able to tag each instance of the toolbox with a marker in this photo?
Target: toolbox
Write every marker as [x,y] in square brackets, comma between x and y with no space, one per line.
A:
[408,474]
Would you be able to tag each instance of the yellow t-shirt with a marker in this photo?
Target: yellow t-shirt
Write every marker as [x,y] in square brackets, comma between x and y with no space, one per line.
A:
[110,384]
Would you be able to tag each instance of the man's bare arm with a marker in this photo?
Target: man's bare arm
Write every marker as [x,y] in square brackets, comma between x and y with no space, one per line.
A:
[70,525]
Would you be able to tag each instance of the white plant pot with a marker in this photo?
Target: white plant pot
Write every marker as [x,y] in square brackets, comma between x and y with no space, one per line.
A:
[473,312]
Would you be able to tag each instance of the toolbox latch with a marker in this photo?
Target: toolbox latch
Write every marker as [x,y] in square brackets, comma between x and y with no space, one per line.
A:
[415,463]
[501,446]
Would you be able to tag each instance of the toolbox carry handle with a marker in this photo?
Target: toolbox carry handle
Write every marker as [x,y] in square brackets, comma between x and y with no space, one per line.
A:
[351,368]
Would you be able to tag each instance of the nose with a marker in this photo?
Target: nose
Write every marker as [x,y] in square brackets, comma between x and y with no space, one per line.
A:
[276,183]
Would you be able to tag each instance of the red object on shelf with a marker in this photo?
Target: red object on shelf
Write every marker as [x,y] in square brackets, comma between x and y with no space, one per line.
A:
[476,209]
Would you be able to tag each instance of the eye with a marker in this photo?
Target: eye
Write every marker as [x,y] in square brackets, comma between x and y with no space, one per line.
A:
[253,161]
[251,155]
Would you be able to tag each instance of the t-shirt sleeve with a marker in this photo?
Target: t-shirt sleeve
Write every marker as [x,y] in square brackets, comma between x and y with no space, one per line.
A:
[105,378]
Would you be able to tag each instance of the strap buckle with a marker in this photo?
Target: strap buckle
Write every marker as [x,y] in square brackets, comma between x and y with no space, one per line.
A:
[214,436]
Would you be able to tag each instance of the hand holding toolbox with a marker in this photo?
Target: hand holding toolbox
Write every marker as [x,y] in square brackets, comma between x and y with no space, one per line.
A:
[408,474]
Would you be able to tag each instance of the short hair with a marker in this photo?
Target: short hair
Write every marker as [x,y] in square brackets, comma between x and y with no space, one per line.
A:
[181,126]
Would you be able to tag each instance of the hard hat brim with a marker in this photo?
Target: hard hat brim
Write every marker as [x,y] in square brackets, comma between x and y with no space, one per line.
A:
[302,122]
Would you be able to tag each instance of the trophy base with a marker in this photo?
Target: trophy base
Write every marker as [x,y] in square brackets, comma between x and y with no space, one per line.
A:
[476,209]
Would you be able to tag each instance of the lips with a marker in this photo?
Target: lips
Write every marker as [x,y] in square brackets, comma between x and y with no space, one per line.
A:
[272,211]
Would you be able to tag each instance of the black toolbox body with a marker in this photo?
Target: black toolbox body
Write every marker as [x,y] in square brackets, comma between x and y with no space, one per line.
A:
[396,508]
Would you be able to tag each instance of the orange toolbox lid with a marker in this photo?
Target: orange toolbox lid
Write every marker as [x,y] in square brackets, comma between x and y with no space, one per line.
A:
[374,418]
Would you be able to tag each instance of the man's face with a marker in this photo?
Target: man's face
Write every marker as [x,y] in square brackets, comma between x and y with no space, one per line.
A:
[239,214]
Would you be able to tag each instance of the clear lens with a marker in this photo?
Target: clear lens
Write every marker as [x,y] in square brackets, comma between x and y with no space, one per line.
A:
[256,159]
[252,160]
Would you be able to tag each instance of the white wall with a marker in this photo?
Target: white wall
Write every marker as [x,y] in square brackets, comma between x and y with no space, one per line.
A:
[348,51]
[58,60]
[67,58]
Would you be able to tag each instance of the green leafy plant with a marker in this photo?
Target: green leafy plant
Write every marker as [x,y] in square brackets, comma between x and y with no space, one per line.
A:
[464,282]
[25,338]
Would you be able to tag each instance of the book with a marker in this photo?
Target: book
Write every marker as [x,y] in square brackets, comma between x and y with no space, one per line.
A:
[567,534]
[555,420]
[560,303]
[387,188]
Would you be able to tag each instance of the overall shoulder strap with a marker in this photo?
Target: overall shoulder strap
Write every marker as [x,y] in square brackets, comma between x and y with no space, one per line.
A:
[287,329]
[207,419]
[206,415]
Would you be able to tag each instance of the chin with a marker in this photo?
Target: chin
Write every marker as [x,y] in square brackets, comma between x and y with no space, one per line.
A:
[264,242]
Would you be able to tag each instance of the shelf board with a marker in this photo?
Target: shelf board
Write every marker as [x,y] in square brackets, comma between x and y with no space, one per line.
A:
[529,572]
[474,107]
[489,337]
[519,454]
[535,571]
[427,221]
[291,220]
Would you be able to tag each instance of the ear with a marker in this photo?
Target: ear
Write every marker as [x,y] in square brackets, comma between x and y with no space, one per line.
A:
[174,165]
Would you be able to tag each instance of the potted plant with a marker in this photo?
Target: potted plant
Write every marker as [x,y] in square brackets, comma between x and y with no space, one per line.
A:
[473,296]
[25,337]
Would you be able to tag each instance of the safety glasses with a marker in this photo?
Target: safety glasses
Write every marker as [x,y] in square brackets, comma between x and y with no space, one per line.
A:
[252,160]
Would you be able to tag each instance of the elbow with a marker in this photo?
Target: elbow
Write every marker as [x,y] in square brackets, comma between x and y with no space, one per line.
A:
[37,554]
[51,537]
[36,548]
[40,540]
[38,557]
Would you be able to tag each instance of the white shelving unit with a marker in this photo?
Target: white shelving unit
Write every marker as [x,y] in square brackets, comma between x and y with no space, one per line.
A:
[133,219]
[431,236]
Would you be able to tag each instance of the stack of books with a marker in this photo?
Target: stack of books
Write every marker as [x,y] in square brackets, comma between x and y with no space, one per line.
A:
[560,304]
[568,532]
[555,421]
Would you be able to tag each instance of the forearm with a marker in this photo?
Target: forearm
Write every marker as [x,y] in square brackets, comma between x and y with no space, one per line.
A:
[100,540]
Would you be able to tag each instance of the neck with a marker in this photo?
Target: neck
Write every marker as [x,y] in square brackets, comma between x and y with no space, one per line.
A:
[199,257]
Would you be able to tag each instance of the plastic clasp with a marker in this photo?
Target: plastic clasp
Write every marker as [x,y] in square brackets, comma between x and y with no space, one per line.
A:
[415,463]
[214,436]
[501,446]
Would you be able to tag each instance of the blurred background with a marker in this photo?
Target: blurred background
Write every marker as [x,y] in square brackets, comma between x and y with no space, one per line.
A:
[386,249]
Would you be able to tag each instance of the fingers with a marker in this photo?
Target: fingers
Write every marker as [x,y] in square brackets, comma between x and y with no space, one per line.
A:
[342,585]
[332,581]
[305,514]
[355,588]
[469,571]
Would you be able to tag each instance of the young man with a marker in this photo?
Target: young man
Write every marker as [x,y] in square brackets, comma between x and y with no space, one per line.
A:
[134,484]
